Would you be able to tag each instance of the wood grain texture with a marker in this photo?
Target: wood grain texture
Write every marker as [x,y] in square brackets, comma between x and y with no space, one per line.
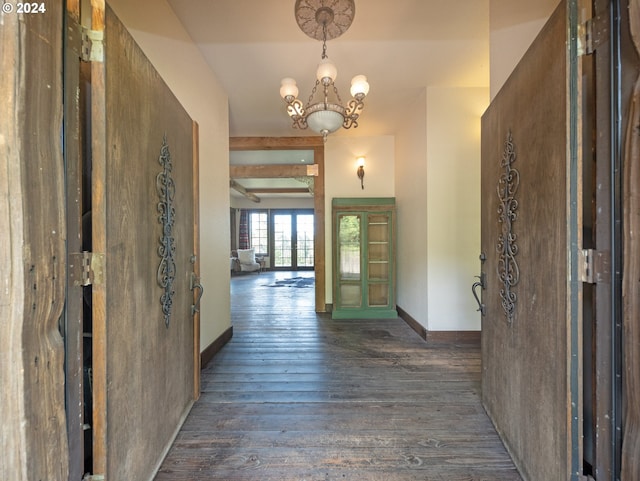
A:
[32,263]
[99,245]
[297,396]
[524,377]
[73,327]
[274,143]
[267,171]
[631,272]
[146,369]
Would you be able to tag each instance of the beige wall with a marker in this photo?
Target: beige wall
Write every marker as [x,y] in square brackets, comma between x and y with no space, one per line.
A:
[164,41]
[341,179]
[411,197]
[438,196]
[453,205]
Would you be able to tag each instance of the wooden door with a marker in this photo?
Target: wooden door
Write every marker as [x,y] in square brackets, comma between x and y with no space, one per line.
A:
[32,246]
[144,367]
[529,243]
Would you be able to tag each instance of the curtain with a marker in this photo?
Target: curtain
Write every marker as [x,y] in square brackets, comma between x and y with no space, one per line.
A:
[243,241]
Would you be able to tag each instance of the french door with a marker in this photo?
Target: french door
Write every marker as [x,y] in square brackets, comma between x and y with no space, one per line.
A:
[292,239]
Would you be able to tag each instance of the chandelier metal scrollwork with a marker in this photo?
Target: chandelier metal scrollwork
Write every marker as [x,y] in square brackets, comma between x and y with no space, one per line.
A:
[323,20]
[166,216]
[508,270]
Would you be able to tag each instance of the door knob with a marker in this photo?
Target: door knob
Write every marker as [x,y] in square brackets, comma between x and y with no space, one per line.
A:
[475,285]
[195,284]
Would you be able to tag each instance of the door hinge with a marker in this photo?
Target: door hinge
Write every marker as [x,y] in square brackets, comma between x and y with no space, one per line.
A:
[594,266]
[592,34]
[92,45]
[86,268]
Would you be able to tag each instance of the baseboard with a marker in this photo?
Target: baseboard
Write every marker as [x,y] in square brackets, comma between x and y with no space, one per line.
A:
[459,337]
[413,324]
[462,337]
[212,349]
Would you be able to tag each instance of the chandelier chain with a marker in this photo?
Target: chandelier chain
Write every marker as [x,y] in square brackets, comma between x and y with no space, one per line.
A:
[324,41]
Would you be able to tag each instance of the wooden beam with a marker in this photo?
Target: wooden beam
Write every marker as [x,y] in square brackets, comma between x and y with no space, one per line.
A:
[274,143]
[281,190]
[275,171]
[239,188]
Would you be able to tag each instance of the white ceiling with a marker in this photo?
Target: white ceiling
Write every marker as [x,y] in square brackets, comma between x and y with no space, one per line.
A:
[402,46]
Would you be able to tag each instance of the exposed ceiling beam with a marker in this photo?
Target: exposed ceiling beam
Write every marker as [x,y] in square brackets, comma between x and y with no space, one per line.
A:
[275,171]
[278,190]
[274,143]
[249,195]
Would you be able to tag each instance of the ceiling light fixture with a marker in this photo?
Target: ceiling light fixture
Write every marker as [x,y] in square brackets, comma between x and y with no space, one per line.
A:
[324,112]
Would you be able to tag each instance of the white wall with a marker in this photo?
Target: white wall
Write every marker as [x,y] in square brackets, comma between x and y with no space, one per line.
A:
[164,41]
[438,199]
[411,200]
[340,167]
[453,205]
[508,43]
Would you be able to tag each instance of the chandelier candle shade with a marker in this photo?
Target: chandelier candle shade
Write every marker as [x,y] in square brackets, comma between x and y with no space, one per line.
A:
[324,112]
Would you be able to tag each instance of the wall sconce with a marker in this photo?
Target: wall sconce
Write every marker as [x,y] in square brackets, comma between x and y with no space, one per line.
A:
[360,171]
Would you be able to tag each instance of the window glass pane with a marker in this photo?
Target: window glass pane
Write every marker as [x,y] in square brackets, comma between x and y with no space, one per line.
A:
[282,240]
[304,232]
[259,233]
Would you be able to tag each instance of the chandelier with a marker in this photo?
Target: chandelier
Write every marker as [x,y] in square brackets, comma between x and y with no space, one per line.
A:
[324,112]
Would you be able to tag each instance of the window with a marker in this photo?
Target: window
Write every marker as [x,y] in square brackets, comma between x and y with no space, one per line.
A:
[259,235]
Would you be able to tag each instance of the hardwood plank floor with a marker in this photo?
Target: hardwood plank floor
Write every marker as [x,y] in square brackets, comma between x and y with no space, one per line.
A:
[296,396]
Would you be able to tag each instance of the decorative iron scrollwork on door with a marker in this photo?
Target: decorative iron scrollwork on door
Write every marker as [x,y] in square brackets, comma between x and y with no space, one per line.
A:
[508,270]
[166,250]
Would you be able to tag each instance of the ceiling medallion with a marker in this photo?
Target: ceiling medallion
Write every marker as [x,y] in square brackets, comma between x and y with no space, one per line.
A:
[324,20]
[312,15]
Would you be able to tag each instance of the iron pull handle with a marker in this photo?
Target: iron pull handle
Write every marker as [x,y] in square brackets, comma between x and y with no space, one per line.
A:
[195,284]
[480,283]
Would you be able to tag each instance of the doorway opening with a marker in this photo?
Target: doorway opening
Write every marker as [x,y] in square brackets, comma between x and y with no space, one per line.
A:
[300,239]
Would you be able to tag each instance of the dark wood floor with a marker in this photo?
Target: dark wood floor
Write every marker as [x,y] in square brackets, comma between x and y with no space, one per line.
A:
[296,396]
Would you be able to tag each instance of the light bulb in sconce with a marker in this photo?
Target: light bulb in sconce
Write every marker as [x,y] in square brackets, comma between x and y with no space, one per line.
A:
[360,171]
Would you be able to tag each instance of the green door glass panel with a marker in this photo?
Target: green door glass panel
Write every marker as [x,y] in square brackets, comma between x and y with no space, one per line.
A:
[349,247]
[350,295]
[378,294]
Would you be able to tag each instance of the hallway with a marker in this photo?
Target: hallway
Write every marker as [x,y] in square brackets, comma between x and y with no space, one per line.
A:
[297,396]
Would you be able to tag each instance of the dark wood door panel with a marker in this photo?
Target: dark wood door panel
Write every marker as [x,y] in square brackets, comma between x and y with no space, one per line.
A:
[32,253]
[147,237]
[524,238]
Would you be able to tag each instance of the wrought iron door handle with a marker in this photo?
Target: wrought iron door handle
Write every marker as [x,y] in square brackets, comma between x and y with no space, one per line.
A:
[479,283]
[195,284]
